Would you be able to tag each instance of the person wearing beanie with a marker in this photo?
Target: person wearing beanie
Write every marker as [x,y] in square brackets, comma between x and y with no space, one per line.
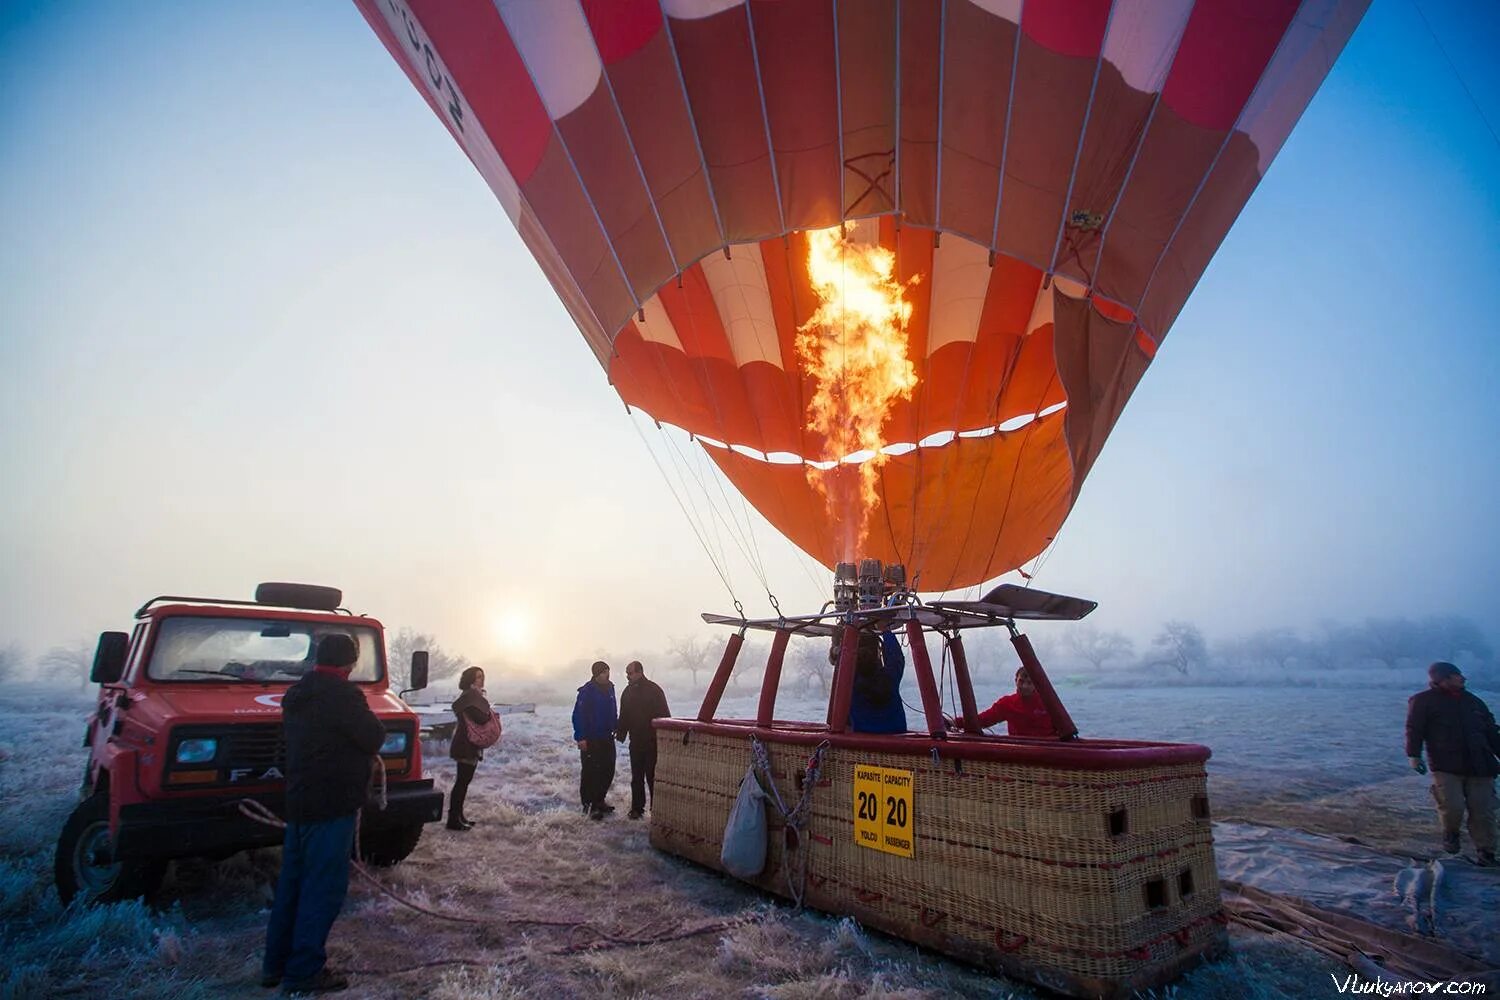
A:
[1463,750]
[331,736]
[594,721]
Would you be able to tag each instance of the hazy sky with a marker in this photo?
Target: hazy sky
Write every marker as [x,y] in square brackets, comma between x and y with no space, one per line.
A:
[261,319]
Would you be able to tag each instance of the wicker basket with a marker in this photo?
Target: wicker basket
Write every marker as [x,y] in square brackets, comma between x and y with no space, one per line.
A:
[1086,868]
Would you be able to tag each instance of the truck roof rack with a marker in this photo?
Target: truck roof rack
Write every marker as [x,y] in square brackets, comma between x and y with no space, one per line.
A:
[299,596]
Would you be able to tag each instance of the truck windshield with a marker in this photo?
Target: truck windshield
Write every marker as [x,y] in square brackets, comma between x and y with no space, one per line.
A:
[213,650]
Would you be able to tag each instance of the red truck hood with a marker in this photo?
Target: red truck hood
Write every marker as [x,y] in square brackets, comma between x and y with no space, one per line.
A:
[252,701]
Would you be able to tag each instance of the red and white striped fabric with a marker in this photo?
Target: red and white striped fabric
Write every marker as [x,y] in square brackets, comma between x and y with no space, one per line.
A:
[1056,175]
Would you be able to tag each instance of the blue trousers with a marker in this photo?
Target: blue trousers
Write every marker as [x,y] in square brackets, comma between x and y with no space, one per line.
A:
[310,893]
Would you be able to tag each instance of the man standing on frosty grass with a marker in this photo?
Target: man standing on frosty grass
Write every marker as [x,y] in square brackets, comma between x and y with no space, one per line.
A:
[1462,744]
[331,734]
[594,721]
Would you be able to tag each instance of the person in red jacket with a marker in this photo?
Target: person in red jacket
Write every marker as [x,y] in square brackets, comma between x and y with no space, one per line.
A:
[1023,712]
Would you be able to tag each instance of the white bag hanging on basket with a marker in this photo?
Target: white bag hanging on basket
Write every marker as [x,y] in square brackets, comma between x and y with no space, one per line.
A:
[744,851]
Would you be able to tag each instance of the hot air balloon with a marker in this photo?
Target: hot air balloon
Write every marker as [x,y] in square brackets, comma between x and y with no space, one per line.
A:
[1042,184]
[898,265]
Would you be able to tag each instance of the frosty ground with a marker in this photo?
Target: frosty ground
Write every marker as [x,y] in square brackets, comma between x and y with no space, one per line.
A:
[551,884]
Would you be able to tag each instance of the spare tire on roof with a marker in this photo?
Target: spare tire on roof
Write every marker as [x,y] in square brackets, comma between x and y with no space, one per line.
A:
[299,595]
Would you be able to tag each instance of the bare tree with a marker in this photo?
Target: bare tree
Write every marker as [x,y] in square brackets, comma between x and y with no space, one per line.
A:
[11,659]
[1389,640]
[68,663]
[808,662]
[1098,647]
[1182,646]
[690,654]
[400,646]
[1448,637]
[1275,647]
[1330,647]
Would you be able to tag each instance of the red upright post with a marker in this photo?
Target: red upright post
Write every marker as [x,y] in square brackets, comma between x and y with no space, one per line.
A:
[721,678]
[843,681]
[1061,720]
[772,680]
[932,705]
[965,684]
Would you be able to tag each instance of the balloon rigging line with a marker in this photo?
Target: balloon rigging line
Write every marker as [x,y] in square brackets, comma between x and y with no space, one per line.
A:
[710,526]
[1041,560]
[722,578]
[730,524]
[684,469]
[1454,70]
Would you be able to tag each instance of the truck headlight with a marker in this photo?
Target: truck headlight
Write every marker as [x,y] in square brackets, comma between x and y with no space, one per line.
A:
[394,743]
[200,751]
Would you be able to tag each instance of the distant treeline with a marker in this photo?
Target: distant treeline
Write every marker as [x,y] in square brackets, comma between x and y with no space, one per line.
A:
[1387,652]
[1383,651]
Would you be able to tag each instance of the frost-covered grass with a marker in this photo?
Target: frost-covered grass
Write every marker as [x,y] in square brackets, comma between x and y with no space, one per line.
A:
[535,862]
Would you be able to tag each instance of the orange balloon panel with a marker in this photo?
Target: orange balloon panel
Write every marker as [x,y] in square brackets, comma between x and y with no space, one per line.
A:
[950,513]
[716,354]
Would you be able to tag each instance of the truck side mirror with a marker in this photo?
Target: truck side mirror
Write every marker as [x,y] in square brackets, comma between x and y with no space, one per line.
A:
[109,657]
[418,670]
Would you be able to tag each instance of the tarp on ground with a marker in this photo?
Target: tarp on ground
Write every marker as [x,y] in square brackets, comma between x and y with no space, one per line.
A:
[1449,901]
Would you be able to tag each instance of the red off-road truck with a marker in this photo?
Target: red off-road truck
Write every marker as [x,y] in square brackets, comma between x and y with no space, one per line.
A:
[189,724]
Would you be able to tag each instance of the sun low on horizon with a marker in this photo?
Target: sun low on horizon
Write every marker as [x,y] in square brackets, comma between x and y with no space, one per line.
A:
[513,629]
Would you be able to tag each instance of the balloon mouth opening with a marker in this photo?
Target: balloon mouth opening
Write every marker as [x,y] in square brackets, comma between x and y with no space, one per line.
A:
[938,439]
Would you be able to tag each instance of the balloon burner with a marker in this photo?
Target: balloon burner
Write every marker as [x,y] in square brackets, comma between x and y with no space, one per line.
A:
[868,584]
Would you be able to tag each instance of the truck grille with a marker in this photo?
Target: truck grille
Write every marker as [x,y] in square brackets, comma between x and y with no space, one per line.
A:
[256,747]
[255,753]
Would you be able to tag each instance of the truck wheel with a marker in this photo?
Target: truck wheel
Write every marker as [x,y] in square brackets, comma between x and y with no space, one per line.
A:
[83,866]
[385,846]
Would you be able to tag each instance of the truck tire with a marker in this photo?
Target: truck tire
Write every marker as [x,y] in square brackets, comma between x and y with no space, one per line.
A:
[386,846]
[83,868]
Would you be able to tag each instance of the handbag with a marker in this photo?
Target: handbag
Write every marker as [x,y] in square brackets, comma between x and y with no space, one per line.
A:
[483,734]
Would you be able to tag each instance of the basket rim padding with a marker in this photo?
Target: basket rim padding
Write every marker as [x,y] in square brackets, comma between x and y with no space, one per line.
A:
[1080,754]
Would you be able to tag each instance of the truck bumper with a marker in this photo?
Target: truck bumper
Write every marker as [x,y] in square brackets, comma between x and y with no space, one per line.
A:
[198,826]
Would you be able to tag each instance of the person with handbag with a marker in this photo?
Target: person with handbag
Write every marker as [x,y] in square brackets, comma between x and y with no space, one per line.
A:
[476,728]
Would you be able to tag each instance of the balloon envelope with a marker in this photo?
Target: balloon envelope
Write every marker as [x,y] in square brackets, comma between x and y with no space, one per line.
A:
[1051,179]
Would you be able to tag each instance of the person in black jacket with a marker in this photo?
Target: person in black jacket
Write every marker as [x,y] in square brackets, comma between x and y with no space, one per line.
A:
[641,702]
[331,737]
[471,705]
[1462,744]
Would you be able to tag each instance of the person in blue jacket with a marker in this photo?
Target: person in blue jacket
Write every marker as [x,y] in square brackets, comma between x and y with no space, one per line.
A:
[594,719]
[876,706]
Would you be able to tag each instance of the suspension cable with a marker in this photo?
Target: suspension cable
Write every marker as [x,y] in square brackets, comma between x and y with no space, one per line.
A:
[718,569]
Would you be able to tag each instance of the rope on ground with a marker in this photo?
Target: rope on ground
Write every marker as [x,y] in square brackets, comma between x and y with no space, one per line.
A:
[1349,939]
[601,938]
[606,943]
